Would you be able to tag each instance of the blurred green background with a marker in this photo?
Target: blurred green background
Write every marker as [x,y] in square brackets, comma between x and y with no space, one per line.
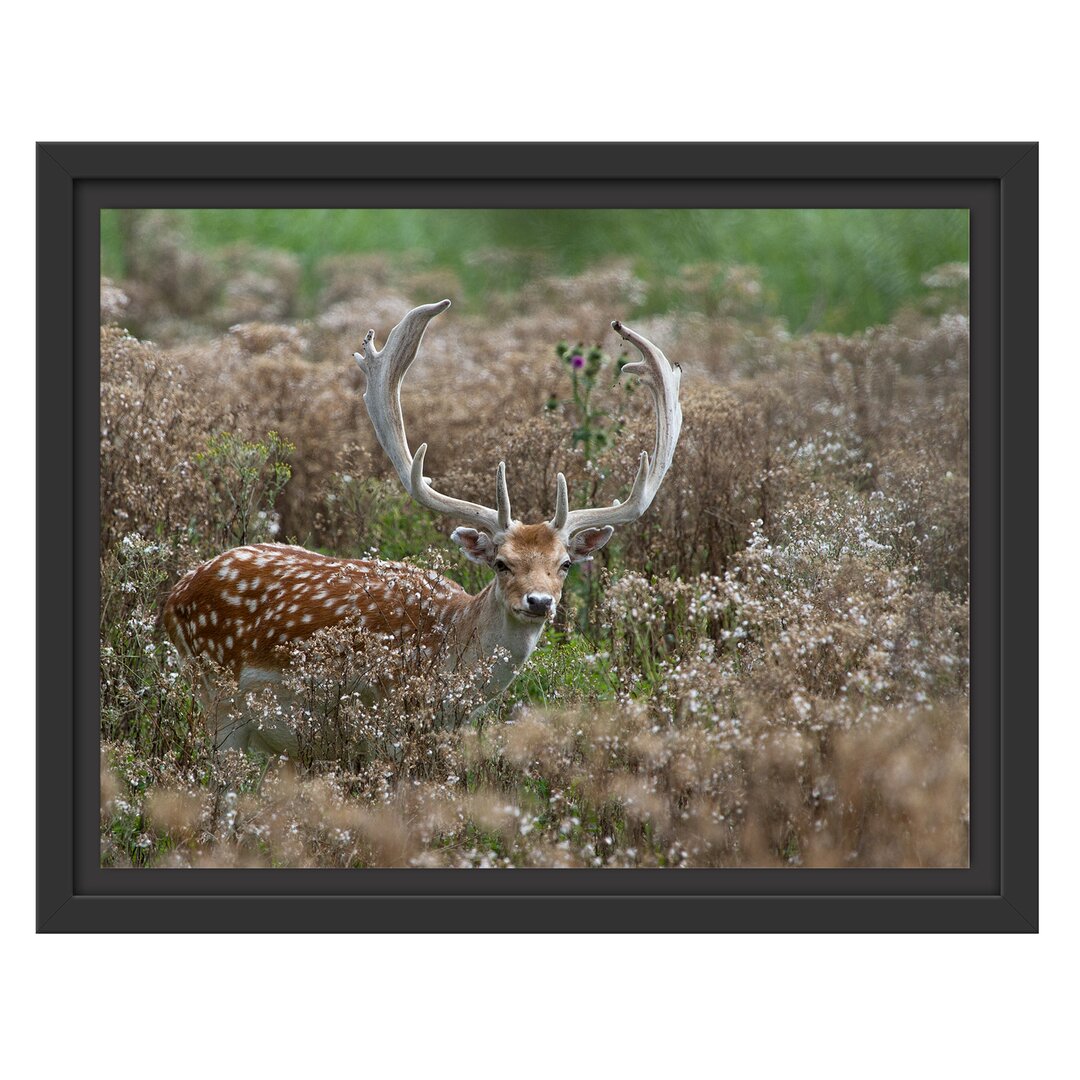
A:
[837,270]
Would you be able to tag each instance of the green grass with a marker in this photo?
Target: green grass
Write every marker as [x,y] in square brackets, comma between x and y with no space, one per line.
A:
[564,667]
[823,269]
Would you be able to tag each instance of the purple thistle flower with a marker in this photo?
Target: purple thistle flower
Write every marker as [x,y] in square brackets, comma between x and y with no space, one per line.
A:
[577,360]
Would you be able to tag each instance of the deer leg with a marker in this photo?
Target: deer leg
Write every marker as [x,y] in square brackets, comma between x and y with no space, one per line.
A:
[268,731]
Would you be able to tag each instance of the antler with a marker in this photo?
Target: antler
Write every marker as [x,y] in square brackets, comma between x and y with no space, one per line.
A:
[384,370]
[663,381]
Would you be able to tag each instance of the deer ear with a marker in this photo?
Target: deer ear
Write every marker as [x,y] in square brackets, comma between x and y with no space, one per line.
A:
[478,546]
[582,546]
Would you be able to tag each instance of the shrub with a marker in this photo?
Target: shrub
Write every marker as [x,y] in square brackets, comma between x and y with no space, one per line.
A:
[243,481]
[155,417]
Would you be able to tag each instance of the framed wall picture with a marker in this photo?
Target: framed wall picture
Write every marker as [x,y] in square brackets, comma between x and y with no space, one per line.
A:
[663,579]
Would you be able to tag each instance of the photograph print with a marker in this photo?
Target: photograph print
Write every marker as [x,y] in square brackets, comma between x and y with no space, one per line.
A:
[447,538]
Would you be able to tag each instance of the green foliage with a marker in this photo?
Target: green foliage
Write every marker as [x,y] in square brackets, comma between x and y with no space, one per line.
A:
[595,429]
[836,269]
[377,516]
[564,668]
[145,699]
[366,516]
[243,481]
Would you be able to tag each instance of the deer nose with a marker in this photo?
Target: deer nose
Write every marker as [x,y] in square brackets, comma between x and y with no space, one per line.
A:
[539,603]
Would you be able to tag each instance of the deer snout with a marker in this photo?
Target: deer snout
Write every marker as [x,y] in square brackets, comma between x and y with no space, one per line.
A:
[538,603]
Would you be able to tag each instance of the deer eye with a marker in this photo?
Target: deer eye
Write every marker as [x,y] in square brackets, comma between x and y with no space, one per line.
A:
[501,567]
[565,566]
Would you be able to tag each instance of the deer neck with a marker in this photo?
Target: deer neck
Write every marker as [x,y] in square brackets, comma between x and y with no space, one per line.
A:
[490,626]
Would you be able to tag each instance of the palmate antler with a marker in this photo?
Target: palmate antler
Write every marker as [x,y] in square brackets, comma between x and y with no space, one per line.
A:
[663,380]
[384,370]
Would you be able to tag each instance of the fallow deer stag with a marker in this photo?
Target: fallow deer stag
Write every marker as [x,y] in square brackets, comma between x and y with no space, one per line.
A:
[246,607]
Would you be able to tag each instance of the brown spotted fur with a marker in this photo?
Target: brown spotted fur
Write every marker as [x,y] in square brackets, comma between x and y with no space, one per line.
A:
[242,606]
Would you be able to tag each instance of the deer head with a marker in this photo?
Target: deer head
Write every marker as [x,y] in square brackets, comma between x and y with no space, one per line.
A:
[530,561]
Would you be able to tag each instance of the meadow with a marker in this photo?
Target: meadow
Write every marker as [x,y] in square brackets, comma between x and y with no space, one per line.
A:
[769,669]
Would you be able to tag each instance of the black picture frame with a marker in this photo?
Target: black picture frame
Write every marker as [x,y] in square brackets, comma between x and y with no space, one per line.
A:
[998,182]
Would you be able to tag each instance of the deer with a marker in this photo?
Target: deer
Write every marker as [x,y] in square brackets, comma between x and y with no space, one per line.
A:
[244,609]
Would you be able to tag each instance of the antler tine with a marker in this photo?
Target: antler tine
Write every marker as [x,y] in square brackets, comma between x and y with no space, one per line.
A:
[492,521]
[562,504]
[663,381]
[385,370]
[502,497]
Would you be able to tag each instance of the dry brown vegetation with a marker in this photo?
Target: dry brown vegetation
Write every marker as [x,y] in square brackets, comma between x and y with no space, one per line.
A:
[771,668]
